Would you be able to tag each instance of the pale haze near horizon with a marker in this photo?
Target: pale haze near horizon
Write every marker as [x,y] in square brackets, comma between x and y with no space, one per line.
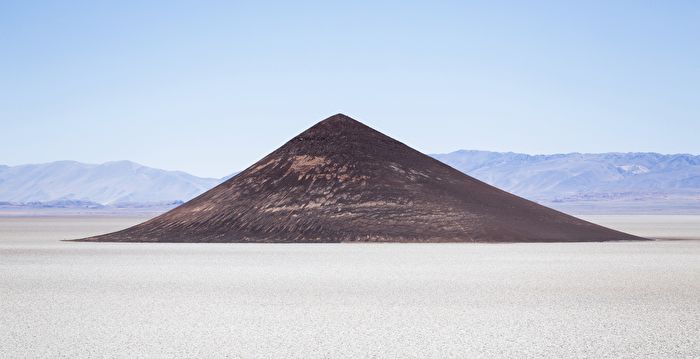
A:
[211,87]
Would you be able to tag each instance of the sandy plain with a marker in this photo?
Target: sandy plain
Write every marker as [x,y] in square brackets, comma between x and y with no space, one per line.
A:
[577,300]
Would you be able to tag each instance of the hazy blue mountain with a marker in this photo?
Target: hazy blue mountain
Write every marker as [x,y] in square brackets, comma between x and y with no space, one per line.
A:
[112,183]
[573,182]
[229,176]
[639,179]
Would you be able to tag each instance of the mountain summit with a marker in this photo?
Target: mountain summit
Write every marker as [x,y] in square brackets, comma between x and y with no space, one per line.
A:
[342,181]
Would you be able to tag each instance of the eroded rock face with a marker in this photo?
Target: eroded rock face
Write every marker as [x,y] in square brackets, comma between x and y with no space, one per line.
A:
[341,181]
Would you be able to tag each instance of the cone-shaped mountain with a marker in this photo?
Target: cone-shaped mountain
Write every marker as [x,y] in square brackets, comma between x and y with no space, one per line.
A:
[341,181]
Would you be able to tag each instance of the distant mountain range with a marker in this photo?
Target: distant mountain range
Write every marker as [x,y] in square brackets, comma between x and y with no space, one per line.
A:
[573,182]
[120,183]
[583,183]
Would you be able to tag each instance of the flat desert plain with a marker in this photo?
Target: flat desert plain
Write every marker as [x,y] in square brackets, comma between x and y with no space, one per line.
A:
[121,300]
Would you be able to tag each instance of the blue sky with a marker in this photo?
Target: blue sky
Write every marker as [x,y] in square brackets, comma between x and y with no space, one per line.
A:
[210,87]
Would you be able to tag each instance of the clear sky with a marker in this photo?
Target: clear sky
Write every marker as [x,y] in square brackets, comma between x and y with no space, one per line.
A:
[210,87]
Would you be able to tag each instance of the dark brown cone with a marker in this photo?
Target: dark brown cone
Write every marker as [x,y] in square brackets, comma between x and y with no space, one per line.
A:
[341,181]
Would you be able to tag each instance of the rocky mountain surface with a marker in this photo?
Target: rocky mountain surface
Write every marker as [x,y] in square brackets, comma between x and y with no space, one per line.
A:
[341,181]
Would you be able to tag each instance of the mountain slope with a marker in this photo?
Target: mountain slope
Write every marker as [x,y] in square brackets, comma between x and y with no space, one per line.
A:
[108,183]
[576,177]
[343,181]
